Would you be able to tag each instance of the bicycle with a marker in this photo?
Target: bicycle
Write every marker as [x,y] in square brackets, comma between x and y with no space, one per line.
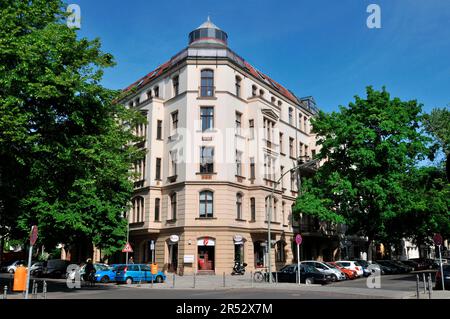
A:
[260,276]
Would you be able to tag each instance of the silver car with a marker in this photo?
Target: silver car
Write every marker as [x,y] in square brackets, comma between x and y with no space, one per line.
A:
[335,273]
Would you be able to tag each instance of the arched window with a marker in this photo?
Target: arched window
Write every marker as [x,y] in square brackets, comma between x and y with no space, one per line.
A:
[173,206]
[206,204]
[239,206]
[207,83]
[291,116]
[254,90]
[137,210]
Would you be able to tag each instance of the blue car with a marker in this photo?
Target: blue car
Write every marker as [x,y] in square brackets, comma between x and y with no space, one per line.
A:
[103,273]
[137,273]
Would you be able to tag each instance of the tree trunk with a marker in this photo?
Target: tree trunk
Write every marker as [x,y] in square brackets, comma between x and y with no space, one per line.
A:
[2,243]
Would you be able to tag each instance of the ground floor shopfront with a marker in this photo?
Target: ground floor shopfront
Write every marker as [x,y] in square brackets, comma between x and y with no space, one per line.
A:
[211,251]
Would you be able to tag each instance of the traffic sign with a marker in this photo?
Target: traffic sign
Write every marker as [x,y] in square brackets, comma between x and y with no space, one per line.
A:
[205,241]
[437,239]
[127,248]
[152,245]
[33,235]
[298,239]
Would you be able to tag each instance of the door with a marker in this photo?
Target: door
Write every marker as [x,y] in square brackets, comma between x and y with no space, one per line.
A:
[146,272]
[206,257]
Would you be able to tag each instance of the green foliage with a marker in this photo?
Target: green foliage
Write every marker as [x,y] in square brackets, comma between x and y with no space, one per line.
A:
[368,147]
[64,163]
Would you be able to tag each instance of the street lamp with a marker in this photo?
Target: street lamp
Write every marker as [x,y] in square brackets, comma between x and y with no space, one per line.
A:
[302,162]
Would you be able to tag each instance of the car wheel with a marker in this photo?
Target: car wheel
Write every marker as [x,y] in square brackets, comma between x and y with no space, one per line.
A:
[159,279]
[129,281]
[105,279]
[334,278]
[11,271]
[309,281]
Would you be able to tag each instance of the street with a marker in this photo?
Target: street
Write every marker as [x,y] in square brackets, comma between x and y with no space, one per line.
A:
[392,287]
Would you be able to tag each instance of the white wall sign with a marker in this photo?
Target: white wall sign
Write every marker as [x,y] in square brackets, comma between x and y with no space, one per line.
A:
[188,259]
[174,238]
[209,242]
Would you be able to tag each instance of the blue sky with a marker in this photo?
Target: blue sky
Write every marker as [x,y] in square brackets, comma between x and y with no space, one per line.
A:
[315,47]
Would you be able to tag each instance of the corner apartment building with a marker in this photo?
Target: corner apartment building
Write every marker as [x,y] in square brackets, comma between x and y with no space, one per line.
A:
[219,135]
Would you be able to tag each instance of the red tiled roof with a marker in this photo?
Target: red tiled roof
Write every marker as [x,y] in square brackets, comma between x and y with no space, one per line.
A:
[257,74]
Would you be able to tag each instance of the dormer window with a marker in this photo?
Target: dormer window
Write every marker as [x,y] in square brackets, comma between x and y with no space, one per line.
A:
[254,90]
[175,83]
[149,94]
[272,100]
[261,93]
[156,91]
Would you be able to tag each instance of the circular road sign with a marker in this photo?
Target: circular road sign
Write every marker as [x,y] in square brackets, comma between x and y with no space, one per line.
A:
[298,239]
[437,239]
[33,235]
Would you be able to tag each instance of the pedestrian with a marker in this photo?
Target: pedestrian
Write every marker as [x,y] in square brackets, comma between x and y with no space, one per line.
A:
[89,271]
[131,260]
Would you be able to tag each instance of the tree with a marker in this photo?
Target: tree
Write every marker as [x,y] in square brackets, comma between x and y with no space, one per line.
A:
[367,149]
[437,123]
[65,148]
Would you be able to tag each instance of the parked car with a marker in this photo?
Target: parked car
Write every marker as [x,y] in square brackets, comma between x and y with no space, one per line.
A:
[308,274]
[103,273]
[385,270]
[12,266]
[365,266]
[446,269]
[397,269]
[137,273]
[36,269]
[55,268]
[352,265]
[335,273]
[423,264]
[407,268]
[415,265]
[350,274]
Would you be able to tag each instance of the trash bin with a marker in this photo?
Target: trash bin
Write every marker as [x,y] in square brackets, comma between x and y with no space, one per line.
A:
[154,269]
[20,279]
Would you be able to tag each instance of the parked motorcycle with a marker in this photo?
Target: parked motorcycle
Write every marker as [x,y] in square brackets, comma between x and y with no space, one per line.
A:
[239,268]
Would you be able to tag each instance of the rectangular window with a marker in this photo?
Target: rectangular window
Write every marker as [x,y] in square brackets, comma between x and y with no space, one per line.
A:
[238,163]
[305,124]
[252,168]
[251,125]
[207,117]
[313,153]
[281,143]
[159,130]
[156,91]
[173,205]
[301,149]
[239,206]
[173,163]
[158,169]
[175,83]
[293,180]
[306,151]
[206,159]
[174,122]
[238,86]
[157,209]
[253,209]
[291,147]
[291,116]
[206,204]
[207,83]
[238,123]
[282,179]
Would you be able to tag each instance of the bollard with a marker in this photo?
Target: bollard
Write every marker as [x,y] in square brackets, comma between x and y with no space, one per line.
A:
[10,282]
[194,280]
[224,279]
[44,290]
[417,286]
[173,281]
[151,286]
[430,286]
[33,289]
[5,292]
[276,277]
[251,275]
[424,284]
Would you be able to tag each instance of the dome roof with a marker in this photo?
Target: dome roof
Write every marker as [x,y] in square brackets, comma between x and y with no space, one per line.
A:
[208,34]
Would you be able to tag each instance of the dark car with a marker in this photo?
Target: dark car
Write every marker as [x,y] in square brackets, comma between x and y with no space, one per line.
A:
[405,268]
[55,268]
[446,269]
[308,275]
[395,269]
[385,270]
[411,263]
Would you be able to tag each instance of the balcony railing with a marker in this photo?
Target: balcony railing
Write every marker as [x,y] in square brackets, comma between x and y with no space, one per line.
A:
[207,91]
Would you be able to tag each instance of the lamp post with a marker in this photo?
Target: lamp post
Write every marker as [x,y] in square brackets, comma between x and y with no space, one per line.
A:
[269,217]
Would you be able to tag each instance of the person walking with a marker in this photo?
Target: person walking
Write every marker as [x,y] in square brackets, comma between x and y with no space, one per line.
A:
[131,260]
[89,272]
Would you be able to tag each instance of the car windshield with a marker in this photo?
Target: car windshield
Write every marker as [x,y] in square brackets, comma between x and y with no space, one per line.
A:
[357,263]
[330,265]
[288,268]
[100,267]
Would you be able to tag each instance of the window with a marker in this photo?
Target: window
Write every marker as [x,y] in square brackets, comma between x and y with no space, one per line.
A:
[207,83]
[293,180]
[239,206]
[291,147]
[254,90]
[206,159]
[206,204]
[281,142]
[157,209]
[283,214]
[156,91]
[174,122]
[136,102]
[158,169]
[207,117]
[300,119]
[137,210]
[280,253]
[238,123]
[238,86]
[251,125]
[159,130]
[282,177]
[313,153]
[306,151]
[176,85]
[261,93]
[173,163]
[305,124]
[139,169]
[253,209]
[272,99]
[149,94]
[274,211]
[301,148]
[130,105]
[173,206]
[291,116]
[238,163]
[252,168]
